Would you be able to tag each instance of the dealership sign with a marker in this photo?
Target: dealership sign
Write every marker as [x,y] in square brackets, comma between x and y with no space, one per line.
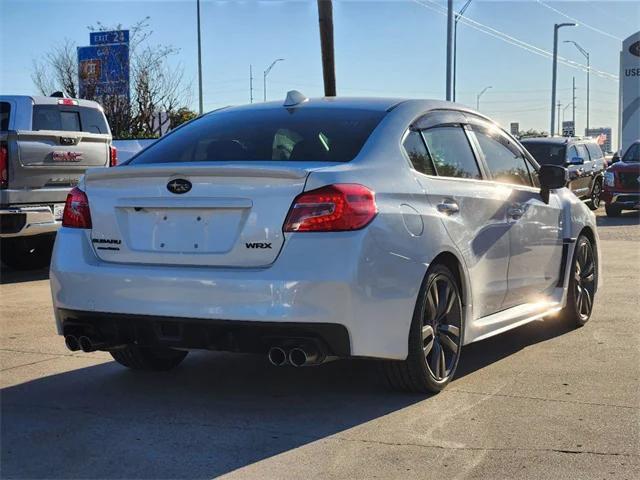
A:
[629,126]
[103,67]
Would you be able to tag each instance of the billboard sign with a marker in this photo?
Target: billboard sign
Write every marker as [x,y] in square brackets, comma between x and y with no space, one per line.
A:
[103,70]
[105,38]
[629,119]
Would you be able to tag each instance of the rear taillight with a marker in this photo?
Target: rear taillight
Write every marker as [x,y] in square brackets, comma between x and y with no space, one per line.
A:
[76,210]
[4,166]
[113,156]
[333,208]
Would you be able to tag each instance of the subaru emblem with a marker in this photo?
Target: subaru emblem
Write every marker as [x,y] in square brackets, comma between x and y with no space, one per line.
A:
[179,185]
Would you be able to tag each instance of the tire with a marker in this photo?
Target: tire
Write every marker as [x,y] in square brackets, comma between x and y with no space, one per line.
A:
[612,211]
[436,332]
[596,192]
[583,280]
[148,358]
[27,253]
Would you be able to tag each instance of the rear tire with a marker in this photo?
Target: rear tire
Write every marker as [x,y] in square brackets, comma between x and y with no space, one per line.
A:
[148,358]
[583,279]
[27,253]
[612,211]
[435,337]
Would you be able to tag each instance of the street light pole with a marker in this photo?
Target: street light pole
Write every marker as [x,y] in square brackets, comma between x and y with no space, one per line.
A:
[200,106]
[554,75]
[264,77]
[479,95]
[455,45]
[450,24]
[586,54]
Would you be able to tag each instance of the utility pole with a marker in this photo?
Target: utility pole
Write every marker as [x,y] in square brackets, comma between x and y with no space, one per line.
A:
[574,105]
[586,54]
[479,95]
[455,45]
[200,106]
[450,26]
[264,77]
[325,20]
[559,128]
[554,75]
[250,83]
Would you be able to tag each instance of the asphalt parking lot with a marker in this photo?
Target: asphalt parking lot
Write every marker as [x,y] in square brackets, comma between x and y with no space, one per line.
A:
[541,401]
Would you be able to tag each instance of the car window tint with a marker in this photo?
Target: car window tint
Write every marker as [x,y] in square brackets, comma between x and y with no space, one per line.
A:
[546,153]
[267,134]
[594,151]
[633,154]
[451,153]
[417,153]
[572,153]
[93,120]
[582,152]
[5,111]
[504,161]
[70,121]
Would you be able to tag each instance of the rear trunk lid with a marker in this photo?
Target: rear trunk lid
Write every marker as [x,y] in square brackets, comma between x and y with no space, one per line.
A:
[231,216]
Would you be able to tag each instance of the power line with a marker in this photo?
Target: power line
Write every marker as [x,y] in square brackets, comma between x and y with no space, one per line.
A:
[487,30]
[580,23]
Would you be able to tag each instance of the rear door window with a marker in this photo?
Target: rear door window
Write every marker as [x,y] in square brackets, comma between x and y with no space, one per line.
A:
[451,152]
[69,119]
[5,113]
[310,134]
[417,152]
[594,151]
[547,153]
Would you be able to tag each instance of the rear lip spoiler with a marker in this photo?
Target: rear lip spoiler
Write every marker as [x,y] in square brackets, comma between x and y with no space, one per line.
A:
[189,169]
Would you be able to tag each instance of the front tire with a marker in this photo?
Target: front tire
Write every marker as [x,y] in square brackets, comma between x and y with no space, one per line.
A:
[148,358]
[27,253]
[582,284]
[596,192]
[435,337]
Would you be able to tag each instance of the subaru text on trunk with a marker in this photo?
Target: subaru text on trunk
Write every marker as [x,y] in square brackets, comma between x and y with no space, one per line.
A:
[318,229]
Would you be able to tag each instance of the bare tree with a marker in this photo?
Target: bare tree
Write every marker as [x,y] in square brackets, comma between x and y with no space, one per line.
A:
[155,86]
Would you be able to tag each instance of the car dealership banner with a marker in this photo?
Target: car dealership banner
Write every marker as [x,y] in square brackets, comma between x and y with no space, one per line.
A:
[103,67]
[629,120]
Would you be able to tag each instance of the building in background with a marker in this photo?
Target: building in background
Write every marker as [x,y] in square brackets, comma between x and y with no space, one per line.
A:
[603,136]
[629,112]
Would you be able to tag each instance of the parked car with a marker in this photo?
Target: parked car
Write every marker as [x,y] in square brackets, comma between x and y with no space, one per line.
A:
[46,144]
[622,183]
[322,228]
[583,159]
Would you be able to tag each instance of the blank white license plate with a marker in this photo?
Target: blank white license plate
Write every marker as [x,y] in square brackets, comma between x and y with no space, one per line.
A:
[58,210]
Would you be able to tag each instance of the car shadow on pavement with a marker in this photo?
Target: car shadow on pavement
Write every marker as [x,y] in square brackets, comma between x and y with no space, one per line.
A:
[213,414]
[626,218]
[9,275]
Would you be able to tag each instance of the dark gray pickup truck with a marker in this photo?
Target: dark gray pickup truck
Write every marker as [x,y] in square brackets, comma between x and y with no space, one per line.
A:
[46,144]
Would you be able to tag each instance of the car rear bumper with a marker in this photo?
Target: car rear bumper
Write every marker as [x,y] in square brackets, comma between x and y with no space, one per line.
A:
[27,220]
[372,301]
[626,200]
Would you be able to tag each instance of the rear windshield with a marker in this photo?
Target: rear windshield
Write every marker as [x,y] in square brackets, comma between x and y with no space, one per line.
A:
[69,119]
[547,153]
[277,134]
[5,111]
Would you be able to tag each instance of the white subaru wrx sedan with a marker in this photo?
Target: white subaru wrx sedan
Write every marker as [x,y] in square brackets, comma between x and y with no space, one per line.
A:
[324,228]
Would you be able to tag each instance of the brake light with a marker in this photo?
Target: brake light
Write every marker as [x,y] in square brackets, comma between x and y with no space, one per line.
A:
[333,208]
[4,166]
[67,101]
[113,156]
[76,210]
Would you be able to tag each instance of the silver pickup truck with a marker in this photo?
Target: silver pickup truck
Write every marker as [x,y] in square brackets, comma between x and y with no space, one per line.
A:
[46,144]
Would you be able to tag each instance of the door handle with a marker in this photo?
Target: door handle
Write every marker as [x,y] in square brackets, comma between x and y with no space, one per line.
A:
[516,211]
[448,207]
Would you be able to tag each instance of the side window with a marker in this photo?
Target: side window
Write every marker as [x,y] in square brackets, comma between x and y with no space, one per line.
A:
[582,152]
[451,153]
[594,151]
[571,154]
[633,154]
[5,112]
[417,153]
[505,162]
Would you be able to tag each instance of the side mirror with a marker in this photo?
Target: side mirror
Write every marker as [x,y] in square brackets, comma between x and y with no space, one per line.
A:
[551,177]
[615,158]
